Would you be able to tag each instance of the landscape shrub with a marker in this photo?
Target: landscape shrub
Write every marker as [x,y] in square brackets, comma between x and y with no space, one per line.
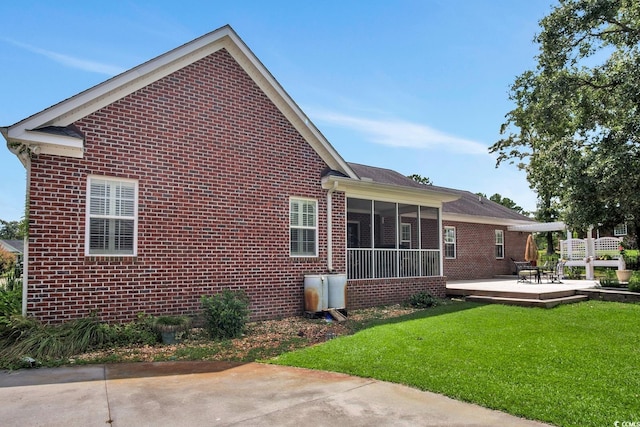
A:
[634,282]
[10,304]
[23,338]
[225,314]
[7,261]
[422,300]
[610,280]
[28,338]
[141,332]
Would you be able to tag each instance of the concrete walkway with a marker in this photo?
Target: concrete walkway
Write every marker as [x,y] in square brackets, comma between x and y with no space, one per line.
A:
[223,394]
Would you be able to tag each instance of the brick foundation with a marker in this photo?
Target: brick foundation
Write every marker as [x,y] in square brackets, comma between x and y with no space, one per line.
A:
[375,292]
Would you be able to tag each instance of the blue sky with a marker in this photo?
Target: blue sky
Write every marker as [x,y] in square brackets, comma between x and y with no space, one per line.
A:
[415,86]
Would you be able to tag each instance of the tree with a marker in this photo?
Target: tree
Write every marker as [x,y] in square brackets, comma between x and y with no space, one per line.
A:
[10,230]
[575,128]
[421,179]
[506,202]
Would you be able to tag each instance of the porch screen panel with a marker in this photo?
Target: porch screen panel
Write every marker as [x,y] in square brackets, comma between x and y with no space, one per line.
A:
[385,233]
[409,249]
[430,241]
[359,239]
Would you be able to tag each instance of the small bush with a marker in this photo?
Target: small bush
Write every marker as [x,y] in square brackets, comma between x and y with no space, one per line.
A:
[7,261]
[634,282]
[422,300]
[10,304]
[139,332]
[22,337]
[226,314]
[610,280]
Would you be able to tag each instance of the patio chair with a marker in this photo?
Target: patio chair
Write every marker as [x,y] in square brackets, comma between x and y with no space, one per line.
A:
[550,271]
[526,272]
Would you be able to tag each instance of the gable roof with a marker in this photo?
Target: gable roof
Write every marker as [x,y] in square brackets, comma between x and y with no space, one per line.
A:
[464,207]
[51,132]
[15,246]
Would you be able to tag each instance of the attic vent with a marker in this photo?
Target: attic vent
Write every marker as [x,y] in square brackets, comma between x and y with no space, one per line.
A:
[364,178]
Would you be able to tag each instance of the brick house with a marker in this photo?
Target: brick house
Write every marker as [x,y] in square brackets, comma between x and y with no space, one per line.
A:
[195,172]
[481,237]
[478,242]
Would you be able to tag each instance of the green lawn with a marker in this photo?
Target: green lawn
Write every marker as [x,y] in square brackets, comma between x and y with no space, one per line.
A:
[574,365]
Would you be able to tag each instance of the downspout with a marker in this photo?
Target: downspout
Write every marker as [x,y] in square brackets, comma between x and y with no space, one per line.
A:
[25,253]
[330,227]
[440,240]
[23,153]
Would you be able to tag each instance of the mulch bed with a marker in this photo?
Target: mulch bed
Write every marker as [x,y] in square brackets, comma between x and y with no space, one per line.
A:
[263,339]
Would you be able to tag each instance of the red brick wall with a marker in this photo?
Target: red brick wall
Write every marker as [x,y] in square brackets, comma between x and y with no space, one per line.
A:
[371,293]
[216,164]
[475,251]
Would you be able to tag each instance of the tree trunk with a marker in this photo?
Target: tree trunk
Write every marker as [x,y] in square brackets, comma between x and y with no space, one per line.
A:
[550,248]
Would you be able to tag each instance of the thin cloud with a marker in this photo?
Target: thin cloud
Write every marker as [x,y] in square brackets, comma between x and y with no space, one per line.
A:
[398,133]
[71,61]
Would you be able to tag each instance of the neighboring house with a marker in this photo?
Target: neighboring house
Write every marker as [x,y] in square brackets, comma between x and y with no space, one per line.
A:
[14,246]
[195,172]
[477,241]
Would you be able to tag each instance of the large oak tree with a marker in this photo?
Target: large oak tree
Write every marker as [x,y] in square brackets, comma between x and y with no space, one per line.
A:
[575,127]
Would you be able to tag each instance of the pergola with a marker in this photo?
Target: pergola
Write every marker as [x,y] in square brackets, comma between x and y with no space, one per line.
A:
[580,252]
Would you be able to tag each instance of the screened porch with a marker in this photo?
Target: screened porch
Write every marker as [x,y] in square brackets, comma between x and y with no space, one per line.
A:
[389,240]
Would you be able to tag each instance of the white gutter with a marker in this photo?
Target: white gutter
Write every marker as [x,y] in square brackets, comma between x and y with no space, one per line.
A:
[330,227]
[23,153]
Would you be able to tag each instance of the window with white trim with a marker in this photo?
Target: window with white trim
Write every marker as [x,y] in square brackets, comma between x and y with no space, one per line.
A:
[112,217]
[405,235]
[499,244]
[450,242]
[303,227]
[620,229]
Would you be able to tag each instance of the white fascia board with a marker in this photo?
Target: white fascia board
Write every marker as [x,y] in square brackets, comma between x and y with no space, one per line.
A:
[91,100]
[473,219]
[46,143]
[539,227]
[386,192]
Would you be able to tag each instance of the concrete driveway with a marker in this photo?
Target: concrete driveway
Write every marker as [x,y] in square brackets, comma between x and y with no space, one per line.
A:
[223,394]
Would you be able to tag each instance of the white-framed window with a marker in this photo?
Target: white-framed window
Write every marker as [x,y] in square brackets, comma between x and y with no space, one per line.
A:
[112,217]
[620,229]
[450,242]
[405,235]
[303,227]
[499,244]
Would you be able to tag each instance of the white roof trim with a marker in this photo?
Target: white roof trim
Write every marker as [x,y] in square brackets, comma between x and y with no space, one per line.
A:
[101,95]
[473,219]
[539,227]
[387,192]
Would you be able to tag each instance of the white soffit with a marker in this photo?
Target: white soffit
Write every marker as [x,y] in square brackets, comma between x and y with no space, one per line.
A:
[539,227]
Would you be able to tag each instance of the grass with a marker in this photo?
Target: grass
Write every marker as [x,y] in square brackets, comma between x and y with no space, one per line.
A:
[573,365]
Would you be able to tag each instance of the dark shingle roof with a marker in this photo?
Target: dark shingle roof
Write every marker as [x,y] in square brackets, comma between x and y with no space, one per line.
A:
[472,204]
[467,204]
[13,245]
[386,176]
